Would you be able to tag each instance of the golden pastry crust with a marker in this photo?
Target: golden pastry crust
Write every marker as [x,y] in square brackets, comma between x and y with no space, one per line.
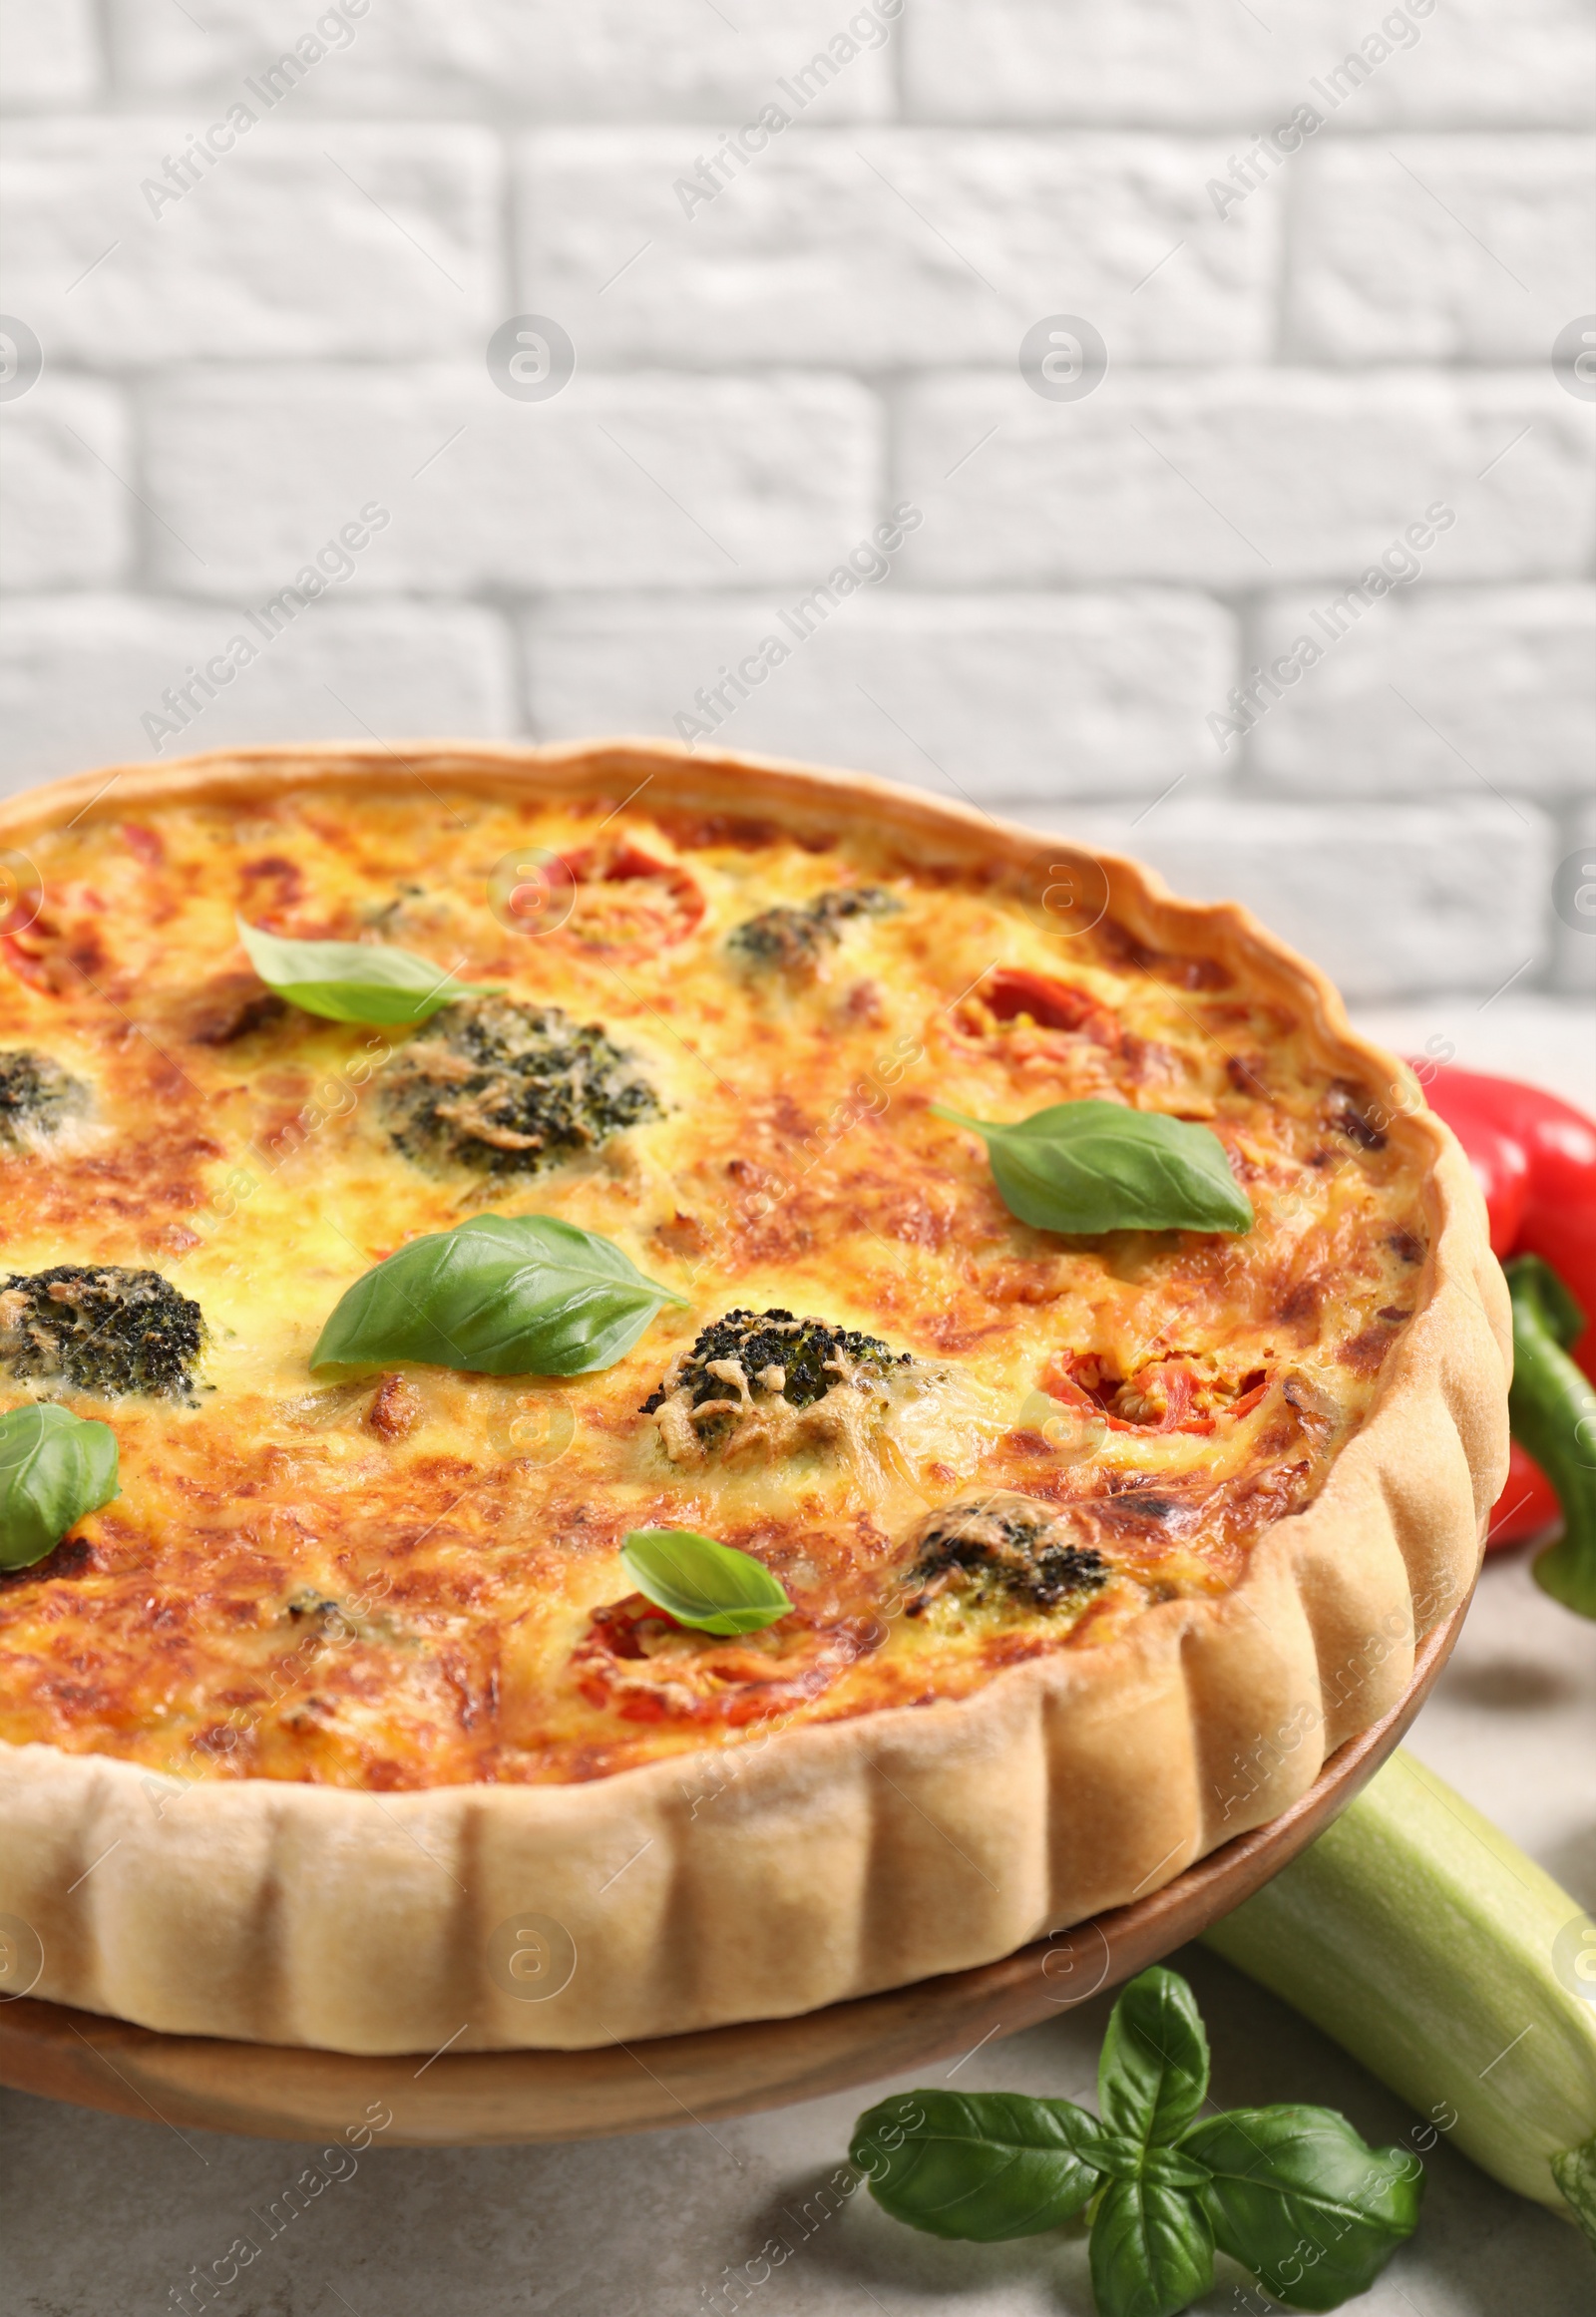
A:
[364,1649]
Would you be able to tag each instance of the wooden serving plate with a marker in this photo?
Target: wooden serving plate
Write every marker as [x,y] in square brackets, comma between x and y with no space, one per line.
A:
[454,2100]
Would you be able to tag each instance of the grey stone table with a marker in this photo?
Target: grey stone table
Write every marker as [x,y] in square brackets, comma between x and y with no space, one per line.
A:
[100,2217]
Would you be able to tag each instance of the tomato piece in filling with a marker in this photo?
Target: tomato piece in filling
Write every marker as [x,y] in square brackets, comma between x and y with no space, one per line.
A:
[1166,1396]
[1044,1016]
[625,899]
[637,1662]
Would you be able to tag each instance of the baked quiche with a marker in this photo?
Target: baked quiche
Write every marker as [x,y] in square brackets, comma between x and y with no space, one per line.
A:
[753,1371]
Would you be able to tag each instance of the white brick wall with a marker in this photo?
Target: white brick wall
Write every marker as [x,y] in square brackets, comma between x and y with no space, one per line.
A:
[1402,897]
[944,686]
[1179,63]
[300,243]
[777,343]
[1248,478]
[78,673]
[1440,248]
[1574,944]
[891,248]
[648,479]
[520,60]
[1449,693]
[68,522]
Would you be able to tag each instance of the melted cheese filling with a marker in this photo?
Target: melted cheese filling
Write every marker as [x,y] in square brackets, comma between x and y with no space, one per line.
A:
[414,1579]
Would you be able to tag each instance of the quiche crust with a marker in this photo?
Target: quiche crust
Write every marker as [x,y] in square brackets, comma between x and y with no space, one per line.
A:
[815,1861]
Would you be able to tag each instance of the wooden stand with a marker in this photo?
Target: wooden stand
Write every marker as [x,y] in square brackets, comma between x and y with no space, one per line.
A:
[278,2091]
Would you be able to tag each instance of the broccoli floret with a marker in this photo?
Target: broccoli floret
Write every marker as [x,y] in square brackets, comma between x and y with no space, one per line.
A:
[509,1089]
[104,1329]
[793,941]
[1002,1547]
[759,1354]
[764,1382]
[36,1096]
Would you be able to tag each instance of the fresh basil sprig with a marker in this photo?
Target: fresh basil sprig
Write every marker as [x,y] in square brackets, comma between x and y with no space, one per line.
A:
[1097,1166]
[54,1467]
[501,1295]
[1291,2192]
[711,1585]
[354,980]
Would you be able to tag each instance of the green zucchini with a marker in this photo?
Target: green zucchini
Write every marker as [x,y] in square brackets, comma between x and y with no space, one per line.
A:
[1430,1947]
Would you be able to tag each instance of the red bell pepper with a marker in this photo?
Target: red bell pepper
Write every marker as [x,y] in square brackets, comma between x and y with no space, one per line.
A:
[1527,1506]
[1535,1160]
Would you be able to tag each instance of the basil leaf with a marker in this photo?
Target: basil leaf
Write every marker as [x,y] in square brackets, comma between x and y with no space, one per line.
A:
[1152,2250]
[1152,2074]
[353,981]
[1097,1166]
[1172,2168]
[1297,2198]
[54,1467]
[502,1294]
[1117,2158]
[977,2164]
[702,1583]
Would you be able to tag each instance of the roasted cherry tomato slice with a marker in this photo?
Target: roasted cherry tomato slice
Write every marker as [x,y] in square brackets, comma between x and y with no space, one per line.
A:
[1013,992]
[628,900]
[1076,1382]
[1036,1023]
[637,1662]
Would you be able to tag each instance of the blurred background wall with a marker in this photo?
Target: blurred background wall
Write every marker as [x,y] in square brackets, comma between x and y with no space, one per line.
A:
[291,272]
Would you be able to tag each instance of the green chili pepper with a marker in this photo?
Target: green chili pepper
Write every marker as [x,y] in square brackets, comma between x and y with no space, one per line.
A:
[1553,1409]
